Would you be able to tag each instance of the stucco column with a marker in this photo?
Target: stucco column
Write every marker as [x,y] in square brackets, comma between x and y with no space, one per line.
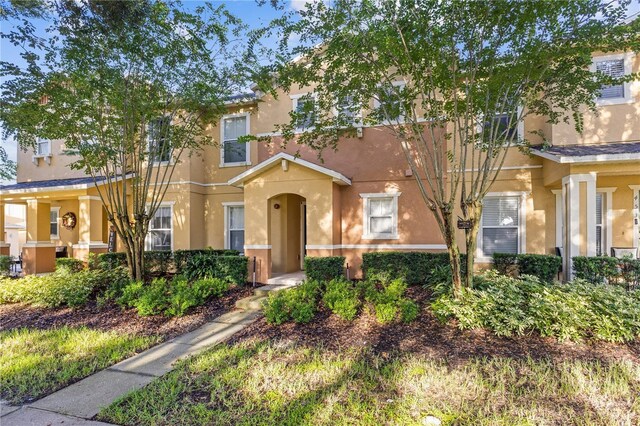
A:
[579,194]
[4,247]
[39,253]
[90,239]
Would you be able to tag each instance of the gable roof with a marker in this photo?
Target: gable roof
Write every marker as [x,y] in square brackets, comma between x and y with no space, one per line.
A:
[592,153]
[276,159]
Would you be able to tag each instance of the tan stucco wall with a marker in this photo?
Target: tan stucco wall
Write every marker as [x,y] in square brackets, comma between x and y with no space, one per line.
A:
[59,168]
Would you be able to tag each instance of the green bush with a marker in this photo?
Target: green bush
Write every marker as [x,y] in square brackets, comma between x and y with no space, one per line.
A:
[158,262]
[69,264]
[181,257]
[342,298]
[544,266]
[108,261]
[298,304]
[5,265]
[61,288]
[414,267]
[388,300]
[630,271]
[408,310]
[574,311]
[324,268]
[596,270]
[233,269]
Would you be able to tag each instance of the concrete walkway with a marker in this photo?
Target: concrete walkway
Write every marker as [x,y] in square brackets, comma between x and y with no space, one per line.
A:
[76,404]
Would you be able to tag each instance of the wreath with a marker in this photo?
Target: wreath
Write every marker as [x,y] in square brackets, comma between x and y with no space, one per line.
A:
[69,220]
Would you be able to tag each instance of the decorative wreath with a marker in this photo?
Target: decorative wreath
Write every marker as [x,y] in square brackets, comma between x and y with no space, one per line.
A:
[69,220]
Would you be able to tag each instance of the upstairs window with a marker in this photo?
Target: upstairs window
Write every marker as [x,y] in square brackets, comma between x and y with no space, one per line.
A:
[388,103]
[233,128]
[348,111]
[160,230]
[304,107]
[43,147]
[159,140]
[500,225]
[613,68]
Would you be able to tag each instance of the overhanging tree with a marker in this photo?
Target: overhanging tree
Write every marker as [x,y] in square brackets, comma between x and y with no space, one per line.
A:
[131,87]
[450,81]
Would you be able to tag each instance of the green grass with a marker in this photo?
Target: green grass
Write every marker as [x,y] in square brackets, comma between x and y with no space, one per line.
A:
[255,383]
[34,363]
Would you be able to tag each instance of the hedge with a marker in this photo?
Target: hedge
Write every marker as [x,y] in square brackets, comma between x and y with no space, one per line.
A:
[233,269]
[181,257]
[5,264]
[70,264]
[324,269]
[414,267]
[544,266]
[605,269]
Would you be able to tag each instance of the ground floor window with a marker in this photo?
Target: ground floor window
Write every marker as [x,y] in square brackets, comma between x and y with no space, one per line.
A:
[599,223]
[500,225]
[380,216]
[54,224]
[160,230]
[235,227]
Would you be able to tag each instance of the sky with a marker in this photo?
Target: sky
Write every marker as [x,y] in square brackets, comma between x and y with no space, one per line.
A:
[249,11]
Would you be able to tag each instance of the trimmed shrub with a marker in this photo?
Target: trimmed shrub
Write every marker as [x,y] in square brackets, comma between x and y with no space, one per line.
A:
[5,265]
[108,261]
[69,264]
[596,270]
[324,268]
[181,257]
[630,271]
[544,266]
[342,298]
[233,269]
[60,288]
[158,262]
[506,263]
[509,306]
[387,298]
[414,267]
[298,304]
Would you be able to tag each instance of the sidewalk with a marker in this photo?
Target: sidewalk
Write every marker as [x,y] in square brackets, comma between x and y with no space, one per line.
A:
[77,403]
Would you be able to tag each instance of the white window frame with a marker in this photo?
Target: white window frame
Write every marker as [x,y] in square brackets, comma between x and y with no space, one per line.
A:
[164,204]
[247,161]
[366,234]
[37,155]
[607,218]
[294,105]
[57,211]
[357,118]
[628,58]
[376,104]
[522,225]
[227,217]
[152,160]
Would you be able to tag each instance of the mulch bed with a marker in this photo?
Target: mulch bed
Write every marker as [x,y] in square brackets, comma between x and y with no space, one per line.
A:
[430,337]
[113,317]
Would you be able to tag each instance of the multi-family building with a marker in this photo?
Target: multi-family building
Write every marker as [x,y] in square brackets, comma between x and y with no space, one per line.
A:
[580,196]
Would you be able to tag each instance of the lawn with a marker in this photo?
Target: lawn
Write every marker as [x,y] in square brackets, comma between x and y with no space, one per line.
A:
[267,381]
[34,363]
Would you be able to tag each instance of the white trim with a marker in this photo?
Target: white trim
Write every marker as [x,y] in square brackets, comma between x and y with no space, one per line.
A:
[247,161]
[163,204]
[89,197]
[377,246]
[227,235]
[190,182]
[376,105]
[525,167]
[257,246]
[559,217]
[394,216]
[599,158]
[34,244]
[522,224]
[635,214]
[270,162]
[90,245]
[591,217]
[294,102]
[57,210]
[628,87]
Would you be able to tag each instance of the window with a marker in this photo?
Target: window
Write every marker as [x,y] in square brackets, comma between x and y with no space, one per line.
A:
[599,227]
[234,127]
[159,140]
[380,216]
[43,147]
[388,105]
[160,230]
[614,68]
[235,227]
[304,107]
[500,225]
[347,110]
[54,226]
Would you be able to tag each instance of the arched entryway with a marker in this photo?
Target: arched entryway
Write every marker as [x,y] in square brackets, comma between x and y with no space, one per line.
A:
[287,232]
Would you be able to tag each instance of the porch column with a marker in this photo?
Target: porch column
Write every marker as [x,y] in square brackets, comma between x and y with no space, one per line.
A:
[579,194]
[90,239]
[39,253]
[4,247]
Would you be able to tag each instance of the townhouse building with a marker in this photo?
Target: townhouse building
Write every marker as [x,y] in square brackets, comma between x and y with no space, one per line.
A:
[578,196]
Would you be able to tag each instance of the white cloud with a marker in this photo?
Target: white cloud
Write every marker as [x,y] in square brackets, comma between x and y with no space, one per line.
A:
[301,5]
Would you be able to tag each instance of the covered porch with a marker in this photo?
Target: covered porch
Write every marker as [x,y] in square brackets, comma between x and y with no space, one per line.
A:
[64,218]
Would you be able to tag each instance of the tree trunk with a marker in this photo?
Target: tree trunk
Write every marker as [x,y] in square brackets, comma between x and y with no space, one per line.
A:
[454,252]
[137,266]
[473,214]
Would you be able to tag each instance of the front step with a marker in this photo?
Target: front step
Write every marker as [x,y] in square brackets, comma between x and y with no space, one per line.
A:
[251,303]
[270,288]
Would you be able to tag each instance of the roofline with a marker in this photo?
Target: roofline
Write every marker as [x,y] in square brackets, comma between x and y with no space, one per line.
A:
[338,178]
[47,188]
[598,158]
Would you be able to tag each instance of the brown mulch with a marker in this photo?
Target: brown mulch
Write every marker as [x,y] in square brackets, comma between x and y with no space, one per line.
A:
[113,317]
[430,337]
